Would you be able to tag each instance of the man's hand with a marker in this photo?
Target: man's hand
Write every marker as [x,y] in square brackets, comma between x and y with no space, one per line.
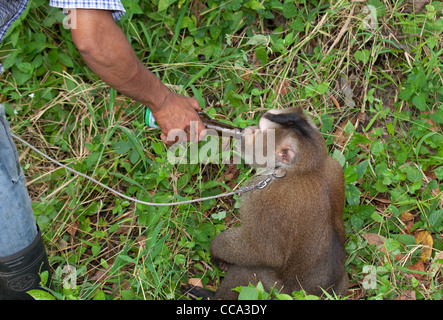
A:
[177,113]
[108,53]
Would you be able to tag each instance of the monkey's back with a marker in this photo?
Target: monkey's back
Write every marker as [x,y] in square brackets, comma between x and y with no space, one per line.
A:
[298,226]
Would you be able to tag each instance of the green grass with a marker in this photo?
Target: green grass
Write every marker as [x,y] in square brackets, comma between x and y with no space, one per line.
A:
[376,93]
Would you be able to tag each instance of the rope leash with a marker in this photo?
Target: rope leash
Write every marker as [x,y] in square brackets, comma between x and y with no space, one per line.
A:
[259,185]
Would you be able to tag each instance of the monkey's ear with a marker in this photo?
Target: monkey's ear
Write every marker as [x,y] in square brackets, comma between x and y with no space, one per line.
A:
[285,154]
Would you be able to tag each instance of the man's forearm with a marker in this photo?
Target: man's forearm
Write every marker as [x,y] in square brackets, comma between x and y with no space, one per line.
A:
[107,52]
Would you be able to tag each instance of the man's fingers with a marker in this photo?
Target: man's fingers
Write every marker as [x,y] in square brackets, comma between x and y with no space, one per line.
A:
[195,104]
[163,137]
[182,116]
[195,132]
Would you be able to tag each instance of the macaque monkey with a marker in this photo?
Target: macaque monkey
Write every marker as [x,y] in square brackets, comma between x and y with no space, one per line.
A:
[292,233]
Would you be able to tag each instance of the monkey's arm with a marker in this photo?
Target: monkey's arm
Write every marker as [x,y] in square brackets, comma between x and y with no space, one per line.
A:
[236,248]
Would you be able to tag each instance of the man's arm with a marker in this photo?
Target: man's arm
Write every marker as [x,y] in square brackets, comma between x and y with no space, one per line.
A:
[107,52]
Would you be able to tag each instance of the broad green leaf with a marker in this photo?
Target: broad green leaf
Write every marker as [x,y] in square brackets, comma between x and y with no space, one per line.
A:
[352,194]
[121,147]
[262,55]
[437,116]
[420,101]
[289,9]
[362,55]
[163,5]
[436,219]
[40,295]
[283,296]
[248,293]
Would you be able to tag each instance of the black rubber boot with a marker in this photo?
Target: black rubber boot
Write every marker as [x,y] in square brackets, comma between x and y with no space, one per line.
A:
[21,272]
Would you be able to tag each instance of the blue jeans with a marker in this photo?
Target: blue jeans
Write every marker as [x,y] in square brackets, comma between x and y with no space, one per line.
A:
[17,223]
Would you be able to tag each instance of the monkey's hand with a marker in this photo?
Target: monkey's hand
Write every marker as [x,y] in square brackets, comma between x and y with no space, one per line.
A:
[235,248]
[228,248]
[178,112]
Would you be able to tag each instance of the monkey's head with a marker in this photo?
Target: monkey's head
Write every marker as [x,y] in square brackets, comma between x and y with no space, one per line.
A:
[284,140]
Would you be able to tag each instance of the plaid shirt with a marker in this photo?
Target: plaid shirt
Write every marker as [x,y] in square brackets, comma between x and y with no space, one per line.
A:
[114,5]
[11,10]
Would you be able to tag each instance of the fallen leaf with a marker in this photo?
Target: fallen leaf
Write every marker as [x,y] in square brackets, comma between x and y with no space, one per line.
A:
[231,171]
[98,276]
[196,282]
[424,238]
[383,200]
[407,295]
[430,173]
[337,105]
[357,294]
[72,229]
[418,4]
[283,88]
[361,116]
[376,239]
[419,266]
[408,226]
[406,216]
[379,241]
[433,126]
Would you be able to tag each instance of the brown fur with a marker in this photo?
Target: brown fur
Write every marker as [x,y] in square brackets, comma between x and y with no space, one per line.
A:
[292,234]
